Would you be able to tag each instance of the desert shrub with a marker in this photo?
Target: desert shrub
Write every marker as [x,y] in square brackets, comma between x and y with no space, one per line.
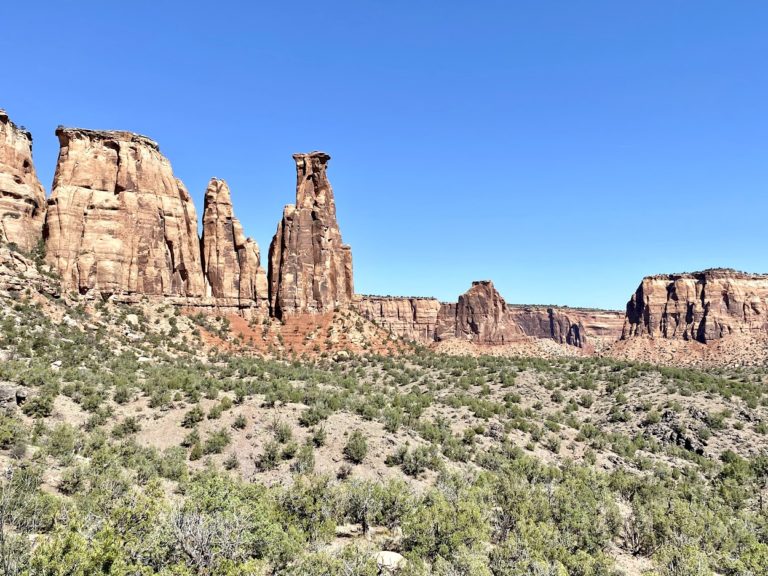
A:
[192,417]
[239,422]
[356,447]
[319,436]
[270,456]
[305,459]
[282,431]
[216,442]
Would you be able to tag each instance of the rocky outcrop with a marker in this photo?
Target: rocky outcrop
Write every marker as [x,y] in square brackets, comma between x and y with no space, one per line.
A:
[480,315]
[700,306]
[118,220]
[231,262]
[22,197]
[19,273]
[310,269]
[411,318]
[575,326]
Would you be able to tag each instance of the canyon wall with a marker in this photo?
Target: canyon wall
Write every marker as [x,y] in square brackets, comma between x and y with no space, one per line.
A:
[575,326]
[118,220]
[310,269]
[231,262]
[699,306]
[482,316]
[411,318]
[22,197]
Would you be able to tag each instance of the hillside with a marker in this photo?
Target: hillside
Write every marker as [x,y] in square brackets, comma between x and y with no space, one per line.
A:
[146,438]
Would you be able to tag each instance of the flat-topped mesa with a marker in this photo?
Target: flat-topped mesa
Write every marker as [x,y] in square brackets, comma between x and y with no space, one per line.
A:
[231,262]
[698,306]
[22,197]
[118,220]
[310,269]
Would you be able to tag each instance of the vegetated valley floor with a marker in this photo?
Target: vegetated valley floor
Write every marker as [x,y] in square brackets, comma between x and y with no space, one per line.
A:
[139,440]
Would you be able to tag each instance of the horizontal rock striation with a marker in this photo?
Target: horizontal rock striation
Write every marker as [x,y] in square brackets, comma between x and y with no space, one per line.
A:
[412,318]
[575,326]
[699,306]
[231,262]
[118,220]
[310,269]
[482,316]
[22,197]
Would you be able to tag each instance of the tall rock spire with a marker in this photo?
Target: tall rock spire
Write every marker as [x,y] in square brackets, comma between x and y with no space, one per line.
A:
[22,197]
[310,269]
[231,262]
[118,220]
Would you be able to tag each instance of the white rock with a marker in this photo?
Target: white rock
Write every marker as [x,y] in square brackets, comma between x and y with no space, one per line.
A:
[391,561]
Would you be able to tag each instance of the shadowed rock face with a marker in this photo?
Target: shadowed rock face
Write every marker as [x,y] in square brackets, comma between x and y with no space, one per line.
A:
[231,262]
[574,326]
[310,269]
[701,306]
[22,197]
[118,220]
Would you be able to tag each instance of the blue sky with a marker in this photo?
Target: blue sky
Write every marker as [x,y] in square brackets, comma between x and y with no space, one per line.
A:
[563,149]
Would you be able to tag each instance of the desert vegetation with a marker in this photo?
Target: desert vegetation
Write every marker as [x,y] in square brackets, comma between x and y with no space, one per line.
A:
[130,446]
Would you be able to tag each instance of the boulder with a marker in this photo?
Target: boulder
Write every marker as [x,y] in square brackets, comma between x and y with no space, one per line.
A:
[390,562]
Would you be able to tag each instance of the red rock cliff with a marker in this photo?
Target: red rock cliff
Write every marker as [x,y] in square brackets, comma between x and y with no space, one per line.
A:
[22,197]
[701,306]
[482,316]
[118,220]
[310,269]
[410,318]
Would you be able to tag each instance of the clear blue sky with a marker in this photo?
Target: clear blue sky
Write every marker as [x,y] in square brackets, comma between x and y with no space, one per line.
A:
[563,149]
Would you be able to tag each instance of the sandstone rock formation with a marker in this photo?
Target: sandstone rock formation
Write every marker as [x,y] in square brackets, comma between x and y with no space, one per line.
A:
[231,262]
[411,318]
[575,326]
[701,306]
[118,220]
[22,197]
[480,315]
[310,269]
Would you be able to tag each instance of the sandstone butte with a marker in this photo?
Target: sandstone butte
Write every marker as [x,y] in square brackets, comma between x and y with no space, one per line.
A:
[22,197]
[118,220]
[119,223]
[700,306]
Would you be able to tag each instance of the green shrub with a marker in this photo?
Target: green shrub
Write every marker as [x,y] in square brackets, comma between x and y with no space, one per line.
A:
[356,448]
[216,442]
